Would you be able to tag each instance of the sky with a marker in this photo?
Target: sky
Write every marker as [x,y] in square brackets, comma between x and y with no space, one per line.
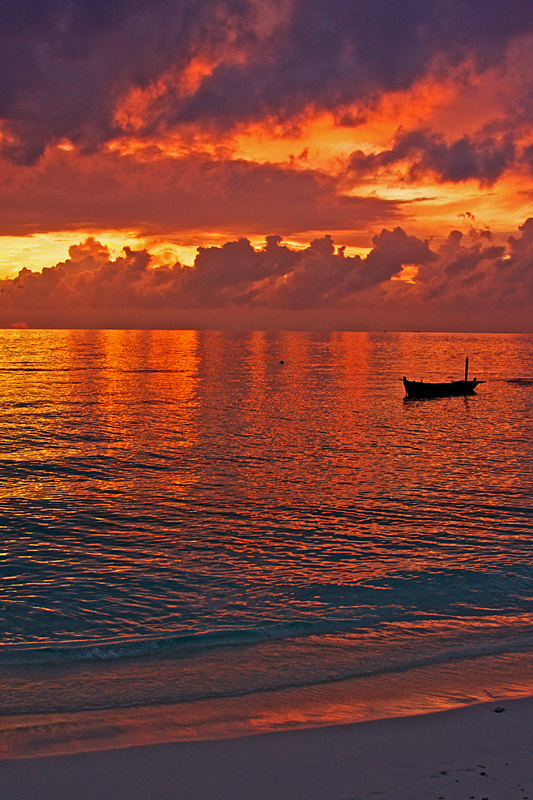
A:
[297,164]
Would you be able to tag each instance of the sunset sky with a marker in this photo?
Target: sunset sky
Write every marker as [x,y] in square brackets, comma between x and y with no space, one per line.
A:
[340,164]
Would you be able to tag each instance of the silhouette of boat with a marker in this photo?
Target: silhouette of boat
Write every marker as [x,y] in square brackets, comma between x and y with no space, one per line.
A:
[420,389]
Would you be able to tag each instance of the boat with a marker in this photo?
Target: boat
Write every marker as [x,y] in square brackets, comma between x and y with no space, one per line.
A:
[416,390]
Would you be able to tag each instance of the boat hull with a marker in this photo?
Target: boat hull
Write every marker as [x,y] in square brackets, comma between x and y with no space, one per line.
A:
[419,389]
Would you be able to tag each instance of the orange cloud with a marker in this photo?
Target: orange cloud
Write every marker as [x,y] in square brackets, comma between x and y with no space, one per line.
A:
[161,195]
[204,123]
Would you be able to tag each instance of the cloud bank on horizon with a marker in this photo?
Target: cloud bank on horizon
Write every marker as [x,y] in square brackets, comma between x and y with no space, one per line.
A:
[464,276]
[182,120]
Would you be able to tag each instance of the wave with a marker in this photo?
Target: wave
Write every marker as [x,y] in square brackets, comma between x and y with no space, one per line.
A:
[115,649]
[474,640]
[222,675]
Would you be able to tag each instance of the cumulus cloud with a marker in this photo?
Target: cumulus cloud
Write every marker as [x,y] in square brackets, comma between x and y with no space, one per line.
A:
[85,257]
[66,65]
[233,274]
[463,273]
[471,284]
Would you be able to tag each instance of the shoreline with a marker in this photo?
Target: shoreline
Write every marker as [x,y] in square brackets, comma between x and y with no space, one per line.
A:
[469,752]
[416,691]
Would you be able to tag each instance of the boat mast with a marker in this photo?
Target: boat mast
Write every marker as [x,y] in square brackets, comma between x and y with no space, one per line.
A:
[466,369]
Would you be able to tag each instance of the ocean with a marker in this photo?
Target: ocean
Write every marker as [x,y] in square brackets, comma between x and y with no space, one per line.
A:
[200,520]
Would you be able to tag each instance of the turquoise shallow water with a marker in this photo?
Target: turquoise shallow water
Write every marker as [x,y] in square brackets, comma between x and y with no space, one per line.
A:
[183,516]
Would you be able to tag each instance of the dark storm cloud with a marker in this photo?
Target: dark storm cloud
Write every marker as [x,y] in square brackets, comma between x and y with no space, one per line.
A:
[65,63]
[421,153]
[334,52]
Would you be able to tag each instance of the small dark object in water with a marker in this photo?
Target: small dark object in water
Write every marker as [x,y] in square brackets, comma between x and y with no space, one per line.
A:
[281,362]
[499,709]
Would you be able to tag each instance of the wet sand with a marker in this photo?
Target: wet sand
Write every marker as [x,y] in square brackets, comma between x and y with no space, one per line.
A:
[475,752]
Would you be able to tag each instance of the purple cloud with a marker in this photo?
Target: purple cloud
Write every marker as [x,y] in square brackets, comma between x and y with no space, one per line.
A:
[422,153]
[65,64]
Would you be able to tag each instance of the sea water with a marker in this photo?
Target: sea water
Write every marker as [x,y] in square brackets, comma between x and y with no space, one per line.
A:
[195,515]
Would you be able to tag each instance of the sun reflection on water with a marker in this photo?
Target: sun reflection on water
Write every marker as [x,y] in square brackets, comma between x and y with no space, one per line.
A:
[163,492]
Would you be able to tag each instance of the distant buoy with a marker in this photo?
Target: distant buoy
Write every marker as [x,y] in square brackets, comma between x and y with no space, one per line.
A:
[281,362]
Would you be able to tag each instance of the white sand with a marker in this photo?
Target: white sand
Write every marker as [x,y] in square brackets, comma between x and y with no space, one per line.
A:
[471,752]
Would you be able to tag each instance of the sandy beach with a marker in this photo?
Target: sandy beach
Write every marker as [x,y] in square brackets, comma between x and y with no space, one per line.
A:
[480,751]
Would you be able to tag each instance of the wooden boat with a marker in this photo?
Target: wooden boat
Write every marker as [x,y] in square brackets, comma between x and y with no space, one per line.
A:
[420,389]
